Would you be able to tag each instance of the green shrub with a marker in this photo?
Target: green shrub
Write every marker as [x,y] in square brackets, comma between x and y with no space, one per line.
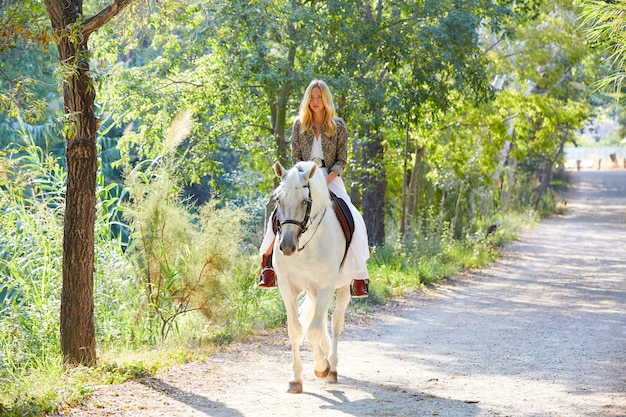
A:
[183,258]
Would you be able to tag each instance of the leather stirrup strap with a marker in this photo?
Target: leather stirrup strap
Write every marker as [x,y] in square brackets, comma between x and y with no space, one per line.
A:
[345,219]
[275,220]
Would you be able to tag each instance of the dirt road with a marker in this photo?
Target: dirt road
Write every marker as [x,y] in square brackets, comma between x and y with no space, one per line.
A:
[542,332]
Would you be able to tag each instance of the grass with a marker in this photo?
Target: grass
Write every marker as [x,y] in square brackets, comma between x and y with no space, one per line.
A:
[427,260]
[37,391]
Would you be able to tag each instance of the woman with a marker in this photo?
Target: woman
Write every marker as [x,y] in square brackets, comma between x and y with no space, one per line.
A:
[318,135]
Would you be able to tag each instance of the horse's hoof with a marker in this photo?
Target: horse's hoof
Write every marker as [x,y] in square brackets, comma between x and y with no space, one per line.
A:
[332,377]
[295,387]
[324,373]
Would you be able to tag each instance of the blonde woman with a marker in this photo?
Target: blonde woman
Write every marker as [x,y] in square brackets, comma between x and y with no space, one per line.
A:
[319,135]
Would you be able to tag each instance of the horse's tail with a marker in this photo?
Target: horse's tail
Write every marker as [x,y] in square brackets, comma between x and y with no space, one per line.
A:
[305,314]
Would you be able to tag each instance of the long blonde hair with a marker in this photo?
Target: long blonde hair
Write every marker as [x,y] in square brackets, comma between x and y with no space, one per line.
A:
[306,115]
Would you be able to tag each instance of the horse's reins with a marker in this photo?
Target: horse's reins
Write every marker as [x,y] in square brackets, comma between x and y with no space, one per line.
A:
[313,234]
[307,219]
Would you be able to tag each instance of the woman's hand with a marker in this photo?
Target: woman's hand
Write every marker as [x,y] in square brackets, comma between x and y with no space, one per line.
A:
[331,176]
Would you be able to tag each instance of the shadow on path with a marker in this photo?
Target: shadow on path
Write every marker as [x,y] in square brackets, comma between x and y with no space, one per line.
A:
[381,400]
[389,400]
[195,401]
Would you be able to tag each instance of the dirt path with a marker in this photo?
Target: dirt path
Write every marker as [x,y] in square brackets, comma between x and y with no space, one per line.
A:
[541,332]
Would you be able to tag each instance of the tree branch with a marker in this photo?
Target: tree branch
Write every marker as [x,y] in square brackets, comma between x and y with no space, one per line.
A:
[95,22]
[197,85]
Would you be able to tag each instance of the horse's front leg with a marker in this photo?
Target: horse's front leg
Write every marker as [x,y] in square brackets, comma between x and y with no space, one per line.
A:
[294,329]
[341,304]
[318,332]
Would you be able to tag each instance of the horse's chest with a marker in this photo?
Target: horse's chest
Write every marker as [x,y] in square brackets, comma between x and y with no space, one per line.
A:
[302,268]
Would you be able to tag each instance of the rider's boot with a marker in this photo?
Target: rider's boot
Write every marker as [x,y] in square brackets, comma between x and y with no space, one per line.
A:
[267,279]
[359,288]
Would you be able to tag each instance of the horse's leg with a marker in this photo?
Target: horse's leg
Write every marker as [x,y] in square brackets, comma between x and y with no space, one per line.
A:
[318,332]
[341,304]
[294,329]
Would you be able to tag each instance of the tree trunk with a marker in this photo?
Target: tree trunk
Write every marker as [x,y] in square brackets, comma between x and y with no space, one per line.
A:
[503,183]
[374,182]
[280,127]
[77,328]
[78,344]
[546,176]
[278,114]
[412,203]
[405,184]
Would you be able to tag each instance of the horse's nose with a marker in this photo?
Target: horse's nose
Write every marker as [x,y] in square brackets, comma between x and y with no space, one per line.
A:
[288,243]
[287,250]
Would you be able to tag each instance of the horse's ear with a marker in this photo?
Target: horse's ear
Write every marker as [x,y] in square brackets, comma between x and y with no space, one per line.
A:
[311,172]
[279,170]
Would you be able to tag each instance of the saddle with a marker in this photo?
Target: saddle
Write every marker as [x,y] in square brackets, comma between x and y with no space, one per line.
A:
[342,211]
[345,219]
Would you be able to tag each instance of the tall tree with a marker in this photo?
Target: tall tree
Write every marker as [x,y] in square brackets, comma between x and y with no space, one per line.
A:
[71,32]
[238,84]
[408,61]
[547,67]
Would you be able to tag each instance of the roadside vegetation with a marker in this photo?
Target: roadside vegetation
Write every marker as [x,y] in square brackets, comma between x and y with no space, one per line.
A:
[174,282]
[458,116]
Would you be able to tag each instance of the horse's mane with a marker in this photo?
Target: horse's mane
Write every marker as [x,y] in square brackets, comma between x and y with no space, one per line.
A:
[317,183]
[319,189]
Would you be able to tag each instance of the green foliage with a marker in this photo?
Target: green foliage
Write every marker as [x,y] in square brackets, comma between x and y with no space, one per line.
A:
[30,245]
[182,259]
[31,233]
[40,390]
[161,73]
[27,65]
[431,257]
[605,28]
[252,309]
[32,204]
[483,157]
[49,387]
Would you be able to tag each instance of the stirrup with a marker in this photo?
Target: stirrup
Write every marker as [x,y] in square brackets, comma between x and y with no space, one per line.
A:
[359,288]
[267,279]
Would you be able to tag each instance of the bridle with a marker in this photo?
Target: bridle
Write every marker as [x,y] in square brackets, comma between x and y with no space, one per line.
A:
[307,216]
[306,222]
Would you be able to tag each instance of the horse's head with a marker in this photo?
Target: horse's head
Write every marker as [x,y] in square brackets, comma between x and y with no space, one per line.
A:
[293,202]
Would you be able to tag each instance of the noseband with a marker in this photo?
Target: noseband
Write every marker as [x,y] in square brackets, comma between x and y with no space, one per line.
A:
[307,216]
[304,224]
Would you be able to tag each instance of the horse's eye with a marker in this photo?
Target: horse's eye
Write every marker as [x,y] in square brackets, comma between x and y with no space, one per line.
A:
[305,202]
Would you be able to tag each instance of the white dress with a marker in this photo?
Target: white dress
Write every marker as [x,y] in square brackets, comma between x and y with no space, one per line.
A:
[354,265]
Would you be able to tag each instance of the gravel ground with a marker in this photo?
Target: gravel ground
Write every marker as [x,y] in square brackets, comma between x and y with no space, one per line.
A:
[541,332]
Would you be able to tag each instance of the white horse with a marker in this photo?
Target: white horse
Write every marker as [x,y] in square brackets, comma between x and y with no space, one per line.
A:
[308,251]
